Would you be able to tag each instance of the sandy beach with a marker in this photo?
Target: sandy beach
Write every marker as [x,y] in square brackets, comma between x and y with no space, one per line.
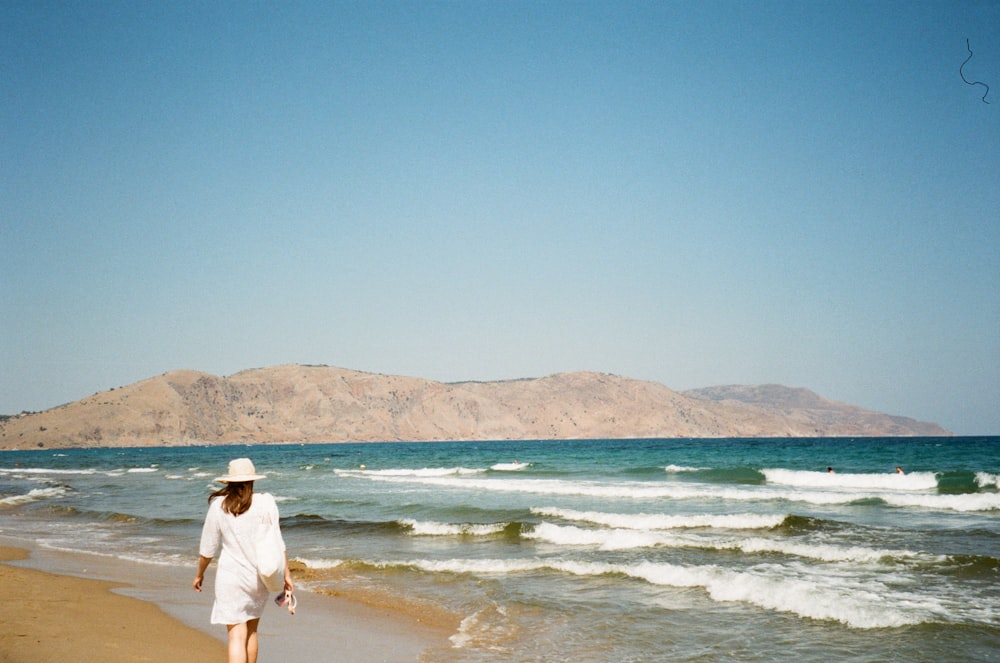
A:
[61,607]
[49,617]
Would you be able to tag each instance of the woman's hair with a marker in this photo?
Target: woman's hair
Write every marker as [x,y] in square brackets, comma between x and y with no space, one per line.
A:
[238,496]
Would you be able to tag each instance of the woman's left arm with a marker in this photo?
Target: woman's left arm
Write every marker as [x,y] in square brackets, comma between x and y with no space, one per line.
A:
[289,586]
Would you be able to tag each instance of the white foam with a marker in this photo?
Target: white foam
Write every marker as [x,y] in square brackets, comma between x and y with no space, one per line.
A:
[148,559]
[534,486]
[876,481]
[629,490]
[823,552]
[45,470]
[986,480]
[34,495]
[604,539]
[666,490]
[143,470]
[474,566]
[859,603]
[430,528]
[51,545]
[622,539]
[467,631]
[681,468]
[319,563]
[425,472]
[655,521]
[776,589]
[509,467]
[485,630]
[965,502]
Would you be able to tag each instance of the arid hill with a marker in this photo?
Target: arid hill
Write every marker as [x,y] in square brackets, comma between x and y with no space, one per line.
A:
[326,404]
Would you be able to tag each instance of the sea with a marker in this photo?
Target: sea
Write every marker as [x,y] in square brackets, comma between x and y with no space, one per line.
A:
[592,550]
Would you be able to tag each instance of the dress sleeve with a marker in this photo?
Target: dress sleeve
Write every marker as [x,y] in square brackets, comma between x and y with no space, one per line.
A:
[275,518]
[211,533]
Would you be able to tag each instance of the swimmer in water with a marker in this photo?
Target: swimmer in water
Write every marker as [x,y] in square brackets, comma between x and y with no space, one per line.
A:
[899,470]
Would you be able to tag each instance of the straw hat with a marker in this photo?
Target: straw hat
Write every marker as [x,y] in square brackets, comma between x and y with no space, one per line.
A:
[241,469]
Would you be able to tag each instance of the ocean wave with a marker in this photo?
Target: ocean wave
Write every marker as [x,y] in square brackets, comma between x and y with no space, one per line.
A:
[425,472]
[509,467]
[623,539]
[971,567]
[876,481]
[987,480]
[154,559]
[964,502]
[35,495]
[863,603]
[642,521]
[29,472]
[123,518]
[45,470]
[858,605]
[603,539]
[539,486]
[430,528]
[171,561]
[319,564]
[484,629]
[655,490]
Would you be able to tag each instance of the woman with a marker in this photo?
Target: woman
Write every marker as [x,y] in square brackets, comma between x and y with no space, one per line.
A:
[236,518]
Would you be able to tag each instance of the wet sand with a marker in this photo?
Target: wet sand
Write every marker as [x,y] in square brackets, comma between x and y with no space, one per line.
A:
[70,607]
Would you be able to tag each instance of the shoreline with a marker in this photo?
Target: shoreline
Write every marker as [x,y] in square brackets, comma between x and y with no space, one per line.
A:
[61,603]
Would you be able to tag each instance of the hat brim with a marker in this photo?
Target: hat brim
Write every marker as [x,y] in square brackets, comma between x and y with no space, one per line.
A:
[237,478]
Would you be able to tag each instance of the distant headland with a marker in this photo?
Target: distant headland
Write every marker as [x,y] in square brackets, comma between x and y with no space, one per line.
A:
[296,403]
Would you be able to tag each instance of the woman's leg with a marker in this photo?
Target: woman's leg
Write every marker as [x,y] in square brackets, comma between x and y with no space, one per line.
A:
[243,642]
[252,640]
[237,643]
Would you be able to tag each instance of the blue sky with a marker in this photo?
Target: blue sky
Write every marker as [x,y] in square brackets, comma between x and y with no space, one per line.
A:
[695,193]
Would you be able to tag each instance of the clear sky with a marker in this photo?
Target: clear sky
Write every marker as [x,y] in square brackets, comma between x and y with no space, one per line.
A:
[695,193]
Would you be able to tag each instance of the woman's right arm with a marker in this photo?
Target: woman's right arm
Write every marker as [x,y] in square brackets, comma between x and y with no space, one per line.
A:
[203,563]
[208,547]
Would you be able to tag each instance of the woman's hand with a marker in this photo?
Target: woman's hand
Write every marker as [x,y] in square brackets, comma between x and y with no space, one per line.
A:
[199,578]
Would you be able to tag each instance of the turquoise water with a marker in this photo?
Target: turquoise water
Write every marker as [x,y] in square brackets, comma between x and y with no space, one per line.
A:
[636,550]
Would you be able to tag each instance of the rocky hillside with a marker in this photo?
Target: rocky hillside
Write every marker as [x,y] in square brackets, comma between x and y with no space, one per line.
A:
[325,404]
[810,409]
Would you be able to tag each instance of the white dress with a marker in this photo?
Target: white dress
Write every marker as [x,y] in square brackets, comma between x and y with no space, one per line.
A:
[240,594]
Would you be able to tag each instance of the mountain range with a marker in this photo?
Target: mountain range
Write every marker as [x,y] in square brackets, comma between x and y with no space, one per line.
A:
[298,403]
